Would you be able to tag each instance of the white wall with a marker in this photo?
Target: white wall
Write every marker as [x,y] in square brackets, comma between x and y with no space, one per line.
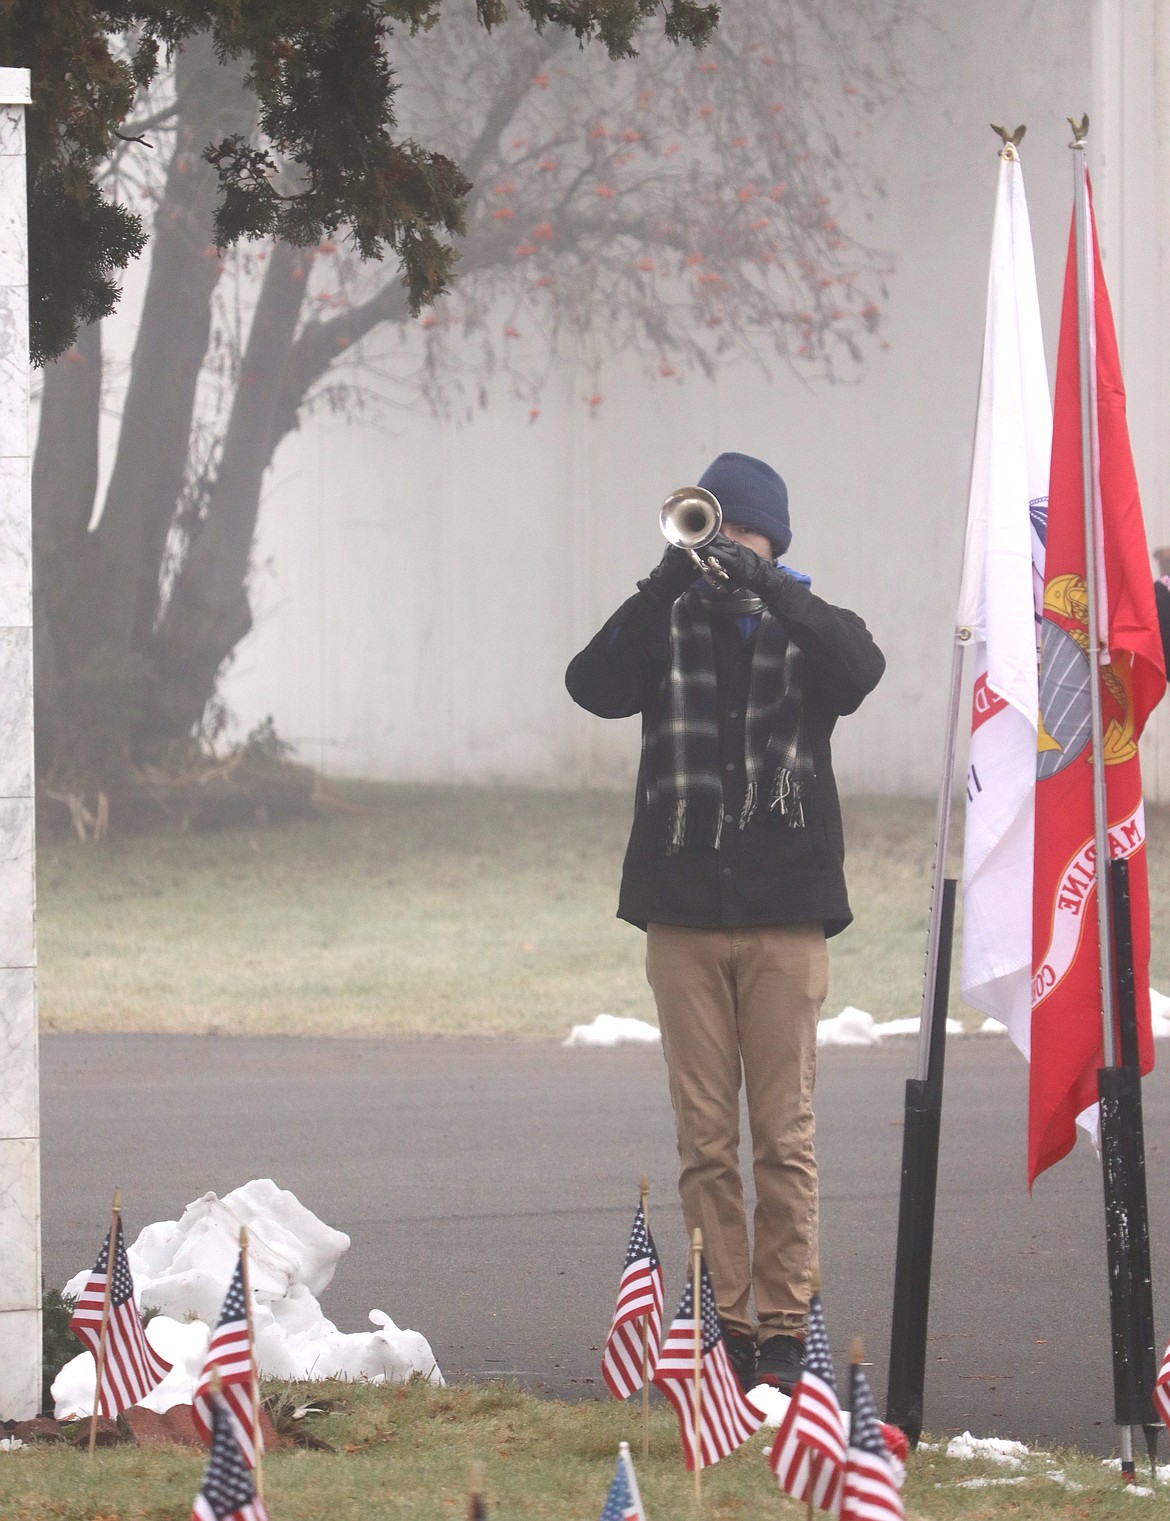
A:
[419,595]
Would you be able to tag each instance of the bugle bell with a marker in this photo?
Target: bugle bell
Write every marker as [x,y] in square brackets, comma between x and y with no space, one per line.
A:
[690,518]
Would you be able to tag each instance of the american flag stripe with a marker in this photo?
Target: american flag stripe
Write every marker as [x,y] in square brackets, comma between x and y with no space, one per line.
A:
[869,1492]
[1162,1389]
[727,1420]
[252,1511]
[639,1303]
[230,1353]
[228,1492]
[131,1367]
[870,1489]
[809,1453]
[727,1417]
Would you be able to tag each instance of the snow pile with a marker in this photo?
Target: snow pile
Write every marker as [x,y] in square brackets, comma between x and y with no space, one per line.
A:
[854,1027]
[183,1267]
[609,1030]
[992,1449]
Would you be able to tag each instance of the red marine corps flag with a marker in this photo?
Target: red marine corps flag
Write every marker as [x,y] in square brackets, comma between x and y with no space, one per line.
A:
[1067,1039]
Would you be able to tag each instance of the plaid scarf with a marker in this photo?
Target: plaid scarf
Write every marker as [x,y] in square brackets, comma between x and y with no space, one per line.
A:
[680,744]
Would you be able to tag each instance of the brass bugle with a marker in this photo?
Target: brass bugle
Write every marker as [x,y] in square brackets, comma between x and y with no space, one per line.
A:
[690,518]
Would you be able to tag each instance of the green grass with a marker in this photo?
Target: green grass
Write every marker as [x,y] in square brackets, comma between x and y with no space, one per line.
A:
[427,910]
[408,1451]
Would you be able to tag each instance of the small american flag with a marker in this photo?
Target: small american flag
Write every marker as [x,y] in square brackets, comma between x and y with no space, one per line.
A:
[808,1455]
[623,1503]
[639,1302]
[726,1417]
[131,1368]
[1162,1389]
[228,1493]
[230,1352]
[870,1489]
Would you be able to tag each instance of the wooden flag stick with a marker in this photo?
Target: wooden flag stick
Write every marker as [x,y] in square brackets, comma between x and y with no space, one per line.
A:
[101,1357]
[257,1439]
[697,1309]
[644,1194]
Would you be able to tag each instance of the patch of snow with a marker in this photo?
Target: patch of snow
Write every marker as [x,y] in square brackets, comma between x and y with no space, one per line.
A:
[983,1483]
[994,1449]
[183,1267]
[852,1027]
[855,1027]
[609,1030]
[770,1402]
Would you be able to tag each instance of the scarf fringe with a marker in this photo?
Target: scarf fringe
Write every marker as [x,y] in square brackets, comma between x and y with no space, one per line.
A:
[749,805]
[786,797]
[676,835]
[680,822]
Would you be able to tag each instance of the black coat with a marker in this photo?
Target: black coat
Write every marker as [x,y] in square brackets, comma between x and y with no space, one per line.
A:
[766,873]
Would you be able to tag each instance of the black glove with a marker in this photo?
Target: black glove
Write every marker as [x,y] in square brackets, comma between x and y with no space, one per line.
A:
[745,569]
[670,577]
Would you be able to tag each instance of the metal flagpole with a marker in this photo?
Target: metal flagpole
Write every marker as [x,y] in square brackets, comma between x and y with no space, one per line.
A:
[1118,1083]
[1097,655]
[923,1105]
[942,839]
[923,1109]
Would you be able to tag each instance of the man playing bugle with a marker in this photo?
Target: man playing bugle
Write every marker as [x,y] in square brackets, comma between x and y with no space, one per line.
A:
[735,871]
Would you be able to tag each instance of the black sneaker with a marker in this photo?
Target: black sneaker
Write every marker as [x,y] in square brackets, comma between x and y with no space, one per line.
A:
[741,1354]
[780,1362]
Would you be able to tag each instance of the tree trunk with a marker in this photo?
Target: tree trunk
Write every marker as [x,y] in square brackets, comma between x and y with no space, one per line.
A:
[173,333]
[64,485]
[208,612]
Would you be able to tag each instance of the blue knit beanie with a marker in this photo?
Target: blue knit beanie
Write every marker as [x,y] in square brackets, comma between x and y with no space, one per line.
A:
[751,494]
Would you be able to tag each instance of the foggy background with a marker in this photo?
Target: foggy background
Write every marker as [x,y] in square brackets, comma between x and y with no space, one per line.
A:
[420,585]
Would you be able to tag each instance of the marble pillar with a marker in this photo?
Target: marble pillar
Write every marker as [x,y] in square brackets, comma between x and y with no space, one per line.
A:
[20,1223]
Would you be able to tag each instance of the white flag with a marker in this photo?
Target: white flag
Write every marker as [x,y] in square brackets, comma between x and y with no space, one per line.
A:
[1000,601]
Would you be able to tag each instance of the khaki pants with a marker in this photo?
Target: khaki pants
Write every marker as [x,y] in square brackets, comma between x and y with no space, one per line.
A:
[732,1000]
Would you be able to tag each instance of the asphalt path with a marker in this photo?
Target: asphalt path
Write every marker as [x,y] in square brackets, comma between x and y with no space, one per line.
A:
[488,1188]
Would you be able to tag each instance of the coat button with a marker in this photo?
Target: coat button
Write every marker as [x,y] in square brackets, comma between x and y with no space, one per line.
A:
[730,766]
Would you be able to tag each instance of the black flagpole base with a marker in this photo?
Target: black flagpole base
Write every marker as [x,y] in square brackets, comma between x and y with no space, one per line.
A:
[920,1141]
